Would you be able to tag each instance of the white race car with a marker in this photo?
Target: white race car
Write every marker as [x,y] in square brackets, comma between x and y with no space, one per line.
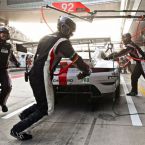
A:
[104,79]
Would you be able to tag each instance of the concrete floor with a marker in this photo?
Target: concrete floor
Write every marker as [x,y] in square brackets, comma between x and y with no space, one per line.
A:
[74,123]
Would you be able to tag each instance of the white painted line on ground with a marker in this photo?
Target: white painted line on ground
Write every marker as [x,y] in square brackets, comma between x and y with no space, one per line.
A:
[17,111]
[134,118]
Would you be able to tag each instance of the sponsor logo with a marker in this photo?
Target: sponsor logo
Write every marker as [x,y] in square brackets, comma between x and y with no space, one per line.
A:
[68,80]
[86,80]
[4,50]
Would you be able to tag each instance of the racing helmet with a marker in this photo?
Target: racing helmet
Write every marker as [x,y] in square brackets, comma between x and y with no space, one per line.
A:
[126,38]
[66,26]
[6,31]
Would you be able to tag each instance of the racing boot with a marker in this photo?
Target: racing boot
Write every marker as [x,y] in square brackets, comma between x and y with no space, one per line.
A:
[132,94]
[21,135]
[4,108]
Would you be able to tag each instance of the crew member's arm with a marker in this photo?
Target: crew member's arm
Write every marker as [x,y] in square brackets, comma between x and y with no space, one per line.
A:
[66,49]
[13,59]
[120,53]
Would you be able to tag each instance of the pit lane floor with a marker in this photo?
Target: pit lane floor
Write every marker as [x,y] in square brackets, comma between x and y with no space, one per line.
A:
[74,123]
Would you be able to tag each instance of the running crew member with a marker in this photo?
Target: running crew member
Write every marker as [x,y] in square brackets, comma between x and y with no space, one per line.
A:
[6,54]
[50,50]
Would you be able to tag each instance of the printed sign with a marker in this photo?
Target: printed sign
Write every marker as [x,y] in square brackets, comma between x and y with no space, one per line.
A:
[71,7]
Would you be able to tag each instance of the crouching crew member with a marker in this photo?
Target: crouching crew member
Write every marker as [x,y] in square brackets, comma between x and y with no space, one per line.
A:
[49,52]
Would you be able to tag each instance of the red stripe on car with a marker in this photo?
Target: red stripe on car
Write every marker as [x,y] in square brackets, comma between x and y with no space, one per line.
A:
[63,77]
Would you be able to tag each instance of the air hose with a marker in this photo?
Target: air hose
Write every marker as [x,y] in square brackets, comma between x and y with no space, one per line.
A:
[42,14]
[123,114]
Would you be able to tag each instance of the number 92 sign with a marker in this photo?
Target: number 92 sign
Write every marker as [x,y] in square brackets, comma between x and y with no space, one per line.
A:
[71,7]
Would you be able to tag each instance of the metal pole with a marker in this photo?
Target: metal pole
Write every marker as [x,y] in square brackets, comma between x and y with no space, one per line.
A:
[89,52]
[114,11]
[127,16]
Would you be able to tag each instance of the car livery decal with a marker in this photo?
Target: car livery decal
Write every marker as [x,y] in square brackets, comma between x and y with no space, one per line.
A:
[86,80]
[63,77]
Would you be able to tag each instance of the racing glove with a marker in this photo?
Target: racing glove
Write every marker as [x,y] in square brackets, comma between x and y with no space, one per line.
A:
[108,58]
[82,75]
[17,64]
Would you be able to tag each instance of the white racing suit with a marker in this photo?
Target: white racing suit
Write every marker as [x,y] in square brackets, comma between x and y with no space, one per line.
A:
[50,50]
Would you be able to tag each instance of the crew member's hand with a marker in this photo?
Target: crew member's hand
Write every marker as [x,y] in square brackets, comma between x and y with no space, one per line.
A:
[18,64]
[106,58]
[82,75]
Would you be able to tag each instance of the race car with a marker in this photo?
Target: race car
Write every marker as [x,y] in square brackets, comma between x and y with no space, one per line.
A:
[104,79]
